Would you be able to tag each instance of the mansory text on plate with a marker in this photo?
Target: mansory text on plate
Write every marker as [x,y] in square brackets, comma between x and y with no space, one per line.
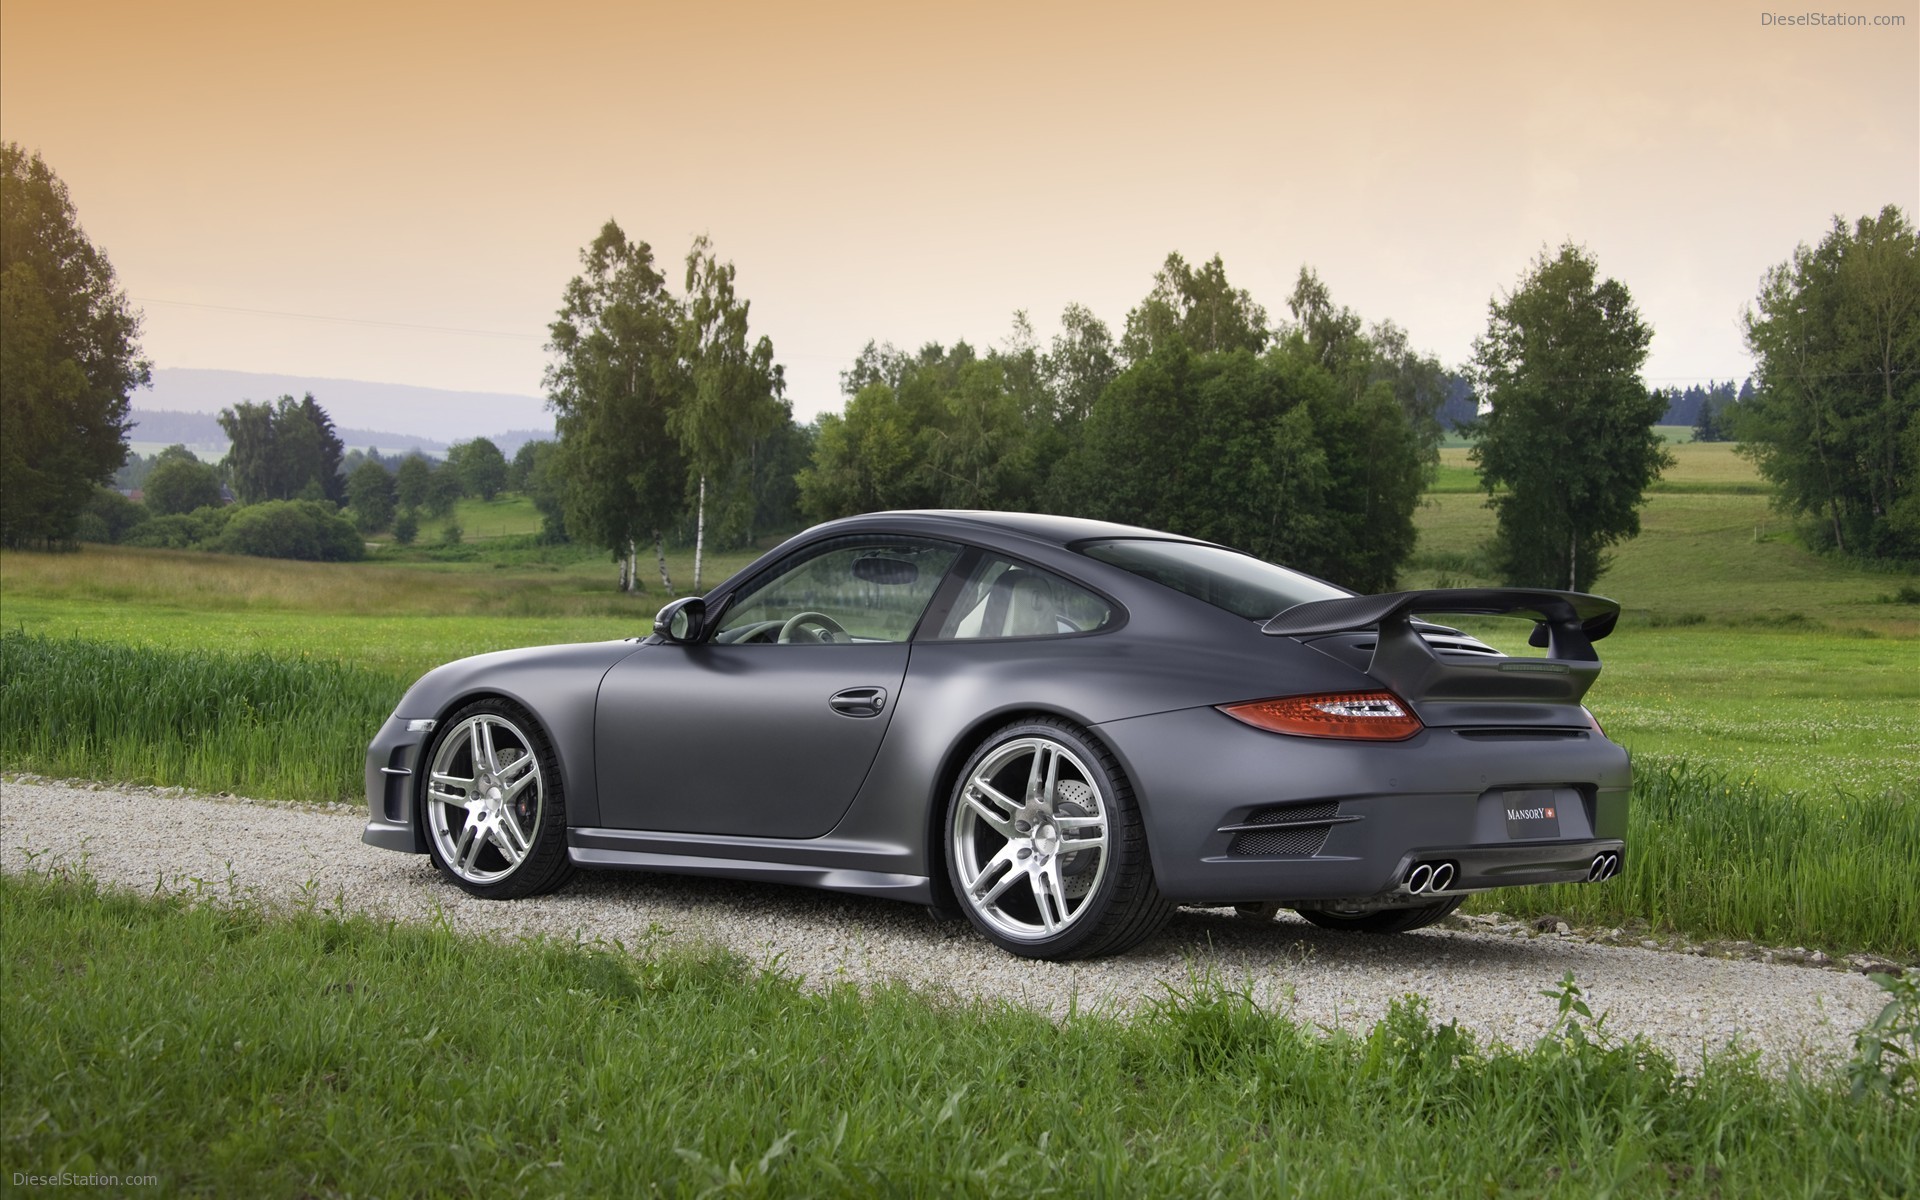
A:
[1061,728]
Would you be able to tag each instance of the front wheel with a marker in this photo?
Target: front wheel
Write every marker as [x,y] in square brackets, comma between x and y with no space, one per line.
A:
[496,821]
[1386,920]
[1046,848]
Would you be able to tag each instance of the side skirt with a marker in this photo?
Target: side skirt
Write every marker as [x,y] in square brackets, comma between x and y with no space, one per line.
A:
[819,863]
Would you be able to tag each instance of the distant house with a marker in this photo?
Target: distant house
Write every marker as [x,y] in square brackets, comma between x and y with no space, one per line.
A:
[138,495]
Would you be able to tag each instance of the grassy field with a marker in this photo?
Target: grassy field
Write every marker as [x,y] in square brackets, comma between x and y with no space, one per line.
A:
[230,1053]
[1763,674]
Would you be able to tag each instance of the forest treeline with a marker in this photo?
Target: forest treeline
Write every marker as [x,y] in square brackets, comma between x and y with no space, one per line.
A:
[1304,434]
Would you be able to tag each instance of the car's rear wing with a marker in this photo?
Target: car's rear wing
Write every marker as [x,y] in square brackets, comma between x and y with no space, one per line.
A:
[1567,624]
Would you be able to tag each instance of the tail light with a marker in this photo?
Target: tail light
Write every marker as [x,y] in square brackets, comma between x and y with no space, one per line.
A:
[1362,716]
[1593,720]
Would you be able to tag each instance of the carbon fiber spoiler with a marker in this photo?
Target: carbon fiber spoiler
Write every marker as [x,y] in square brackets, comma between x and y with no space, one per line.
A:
[1567,624]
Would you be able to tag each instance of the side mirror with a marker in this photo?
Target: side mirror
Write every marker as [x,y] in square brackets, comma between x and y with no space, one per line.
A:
[683,620]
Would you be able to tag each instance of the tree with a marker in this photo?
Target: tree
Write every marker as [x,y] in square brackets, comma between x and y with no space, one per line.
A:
[444,489]
[1200,306]
[69,357]
[1078,365]
[1834,420]
[481,467]
[732,394]
[1567,449]
[538,464]
[370,497]
[284,450]
[522,463]
[180,485]
[611,383]
[411,480]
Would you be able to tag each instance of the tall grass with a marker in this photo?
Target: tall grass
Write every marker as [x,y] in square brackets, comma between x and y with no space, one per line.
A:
[230,1053]
[260,724]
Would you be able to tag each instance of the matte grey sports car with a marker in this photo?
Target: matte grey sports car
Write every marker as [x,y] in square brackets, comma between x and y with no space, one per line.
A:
[1060,728]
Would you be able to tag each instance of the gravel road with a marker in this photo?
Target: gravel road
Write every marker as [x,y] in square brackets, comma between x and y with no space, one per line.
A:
[1488,981]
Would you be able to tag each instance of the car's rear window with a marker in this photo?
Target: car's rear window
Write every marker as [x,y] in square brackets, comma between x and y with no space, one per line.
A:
[1239,583]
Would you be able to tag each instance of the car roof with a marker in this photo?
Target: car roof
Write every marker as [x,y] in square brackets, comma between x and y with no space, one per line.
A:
[1044,527]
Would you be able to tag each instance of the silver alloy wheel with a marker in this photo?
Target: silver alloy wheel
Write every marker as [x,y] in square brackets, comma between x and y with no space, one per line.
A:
[485,798]
[1031,814]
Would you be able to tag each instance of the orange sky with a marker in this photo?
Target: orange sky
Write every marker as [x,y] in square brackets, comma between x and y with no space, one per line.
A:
[907,173]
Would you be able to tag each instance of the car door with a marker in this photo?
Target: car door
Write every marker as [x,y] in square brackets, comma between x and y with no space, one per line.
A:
[768,725]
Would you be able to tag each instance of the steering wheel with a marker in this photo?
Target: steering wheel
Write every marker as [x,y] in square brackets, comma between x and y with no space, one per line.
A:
[827,628]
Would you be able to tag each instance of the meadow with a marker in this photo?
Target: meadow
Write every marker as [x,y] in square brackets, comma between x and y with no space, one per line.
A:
[228,1051]
[1771,696]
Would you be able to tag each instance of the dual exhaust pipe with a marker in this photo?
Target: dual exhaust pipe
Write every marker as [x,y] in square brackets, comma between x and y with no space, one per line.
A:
[1430,877]
[1427,878]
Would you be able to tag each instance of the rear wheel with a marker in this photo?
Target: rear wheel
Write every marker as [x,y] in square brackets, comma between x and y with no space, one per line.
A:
[495,818]
[1046,848]
[1385,920]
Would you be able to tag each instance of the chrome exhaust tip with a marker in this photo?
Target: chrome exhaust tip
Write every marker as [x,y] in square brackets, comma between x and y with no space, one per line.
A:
[1613,866]
[1441,879]
[1419,878]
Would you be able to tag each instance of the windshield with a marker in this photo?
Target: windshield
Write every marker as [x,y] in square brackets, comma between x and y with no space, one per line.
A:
[1239,583]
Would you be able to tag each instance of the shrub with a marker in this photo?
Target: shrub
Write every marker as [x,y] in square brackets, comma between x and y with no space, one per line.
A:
[189,531]
[108,517]
[406,527]
[180,485]
[304,529]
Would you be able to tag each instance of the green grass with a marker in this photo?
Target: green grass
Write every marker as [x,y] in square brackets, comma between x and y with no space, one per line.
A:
[231,1053]
[255,723]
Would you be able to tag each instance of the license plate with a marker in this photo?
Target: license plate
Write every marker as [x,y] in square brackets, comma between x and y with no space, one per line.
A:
[1532,812]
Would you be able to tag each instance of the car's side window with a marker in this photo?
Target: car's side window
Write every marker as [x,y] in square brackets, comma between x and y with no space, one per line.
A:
[1006,599]
[869,589]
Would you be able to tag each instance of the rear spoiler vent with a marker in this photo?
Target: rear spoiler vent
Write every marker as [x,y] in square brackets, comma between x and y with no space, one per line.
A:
[1566,623]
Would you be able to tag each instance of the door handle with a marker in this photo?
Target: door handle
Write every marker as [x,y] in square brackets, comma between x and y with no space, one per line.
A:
[859,701]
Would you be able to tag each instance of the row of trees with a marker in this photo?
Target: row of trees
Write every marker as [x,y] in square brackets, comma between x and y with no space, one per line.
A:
[1307,443]
[1304,438]
[1308,440]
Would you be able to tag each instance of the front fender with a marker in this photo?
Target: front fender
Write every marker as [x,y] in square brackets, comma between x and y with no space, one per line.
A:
[557,685]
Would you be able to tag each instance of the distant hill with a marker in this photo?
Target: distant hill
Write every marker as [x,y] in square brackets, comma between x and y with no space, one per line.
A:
[393,416]
[402,409]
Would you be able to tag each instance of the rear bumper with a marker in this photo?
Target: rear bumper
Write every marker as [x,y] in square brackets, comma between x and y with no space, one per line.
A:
[1365,813]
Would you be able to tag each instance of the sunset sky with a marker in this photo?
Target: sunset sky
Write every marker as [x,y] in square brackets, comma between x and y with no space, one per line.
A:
[423,176]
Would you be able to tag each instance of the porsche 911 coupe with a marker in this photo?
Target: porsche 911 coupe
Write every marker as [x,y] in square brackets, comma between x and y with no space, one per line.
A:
[1059,728]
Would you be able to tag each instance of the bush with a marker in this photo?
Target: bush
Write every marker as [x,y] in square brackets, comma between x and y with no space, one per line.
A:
[303,529]
[179,485]
[406,527]
[189,531]
[108,517]
[452,534]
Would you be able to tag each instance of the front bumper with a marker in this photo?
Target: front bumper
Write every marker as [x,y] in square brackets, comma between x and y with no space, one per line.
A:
[393,758]
[1237,815]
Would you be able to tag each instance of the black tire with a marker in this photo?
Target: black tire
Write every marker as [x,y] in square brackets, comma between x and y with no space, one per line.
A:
[517,845]
[994,838]
[1386,920]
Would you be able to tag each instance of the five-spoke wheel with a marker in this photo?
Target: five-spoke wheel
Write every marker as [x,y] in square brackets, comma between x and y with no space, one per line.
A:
[492,806]
[1045,846]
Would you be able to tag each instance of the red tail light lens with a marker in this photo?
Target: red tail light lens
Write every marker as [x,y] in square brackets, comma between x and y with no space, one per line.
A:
[1363,716]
